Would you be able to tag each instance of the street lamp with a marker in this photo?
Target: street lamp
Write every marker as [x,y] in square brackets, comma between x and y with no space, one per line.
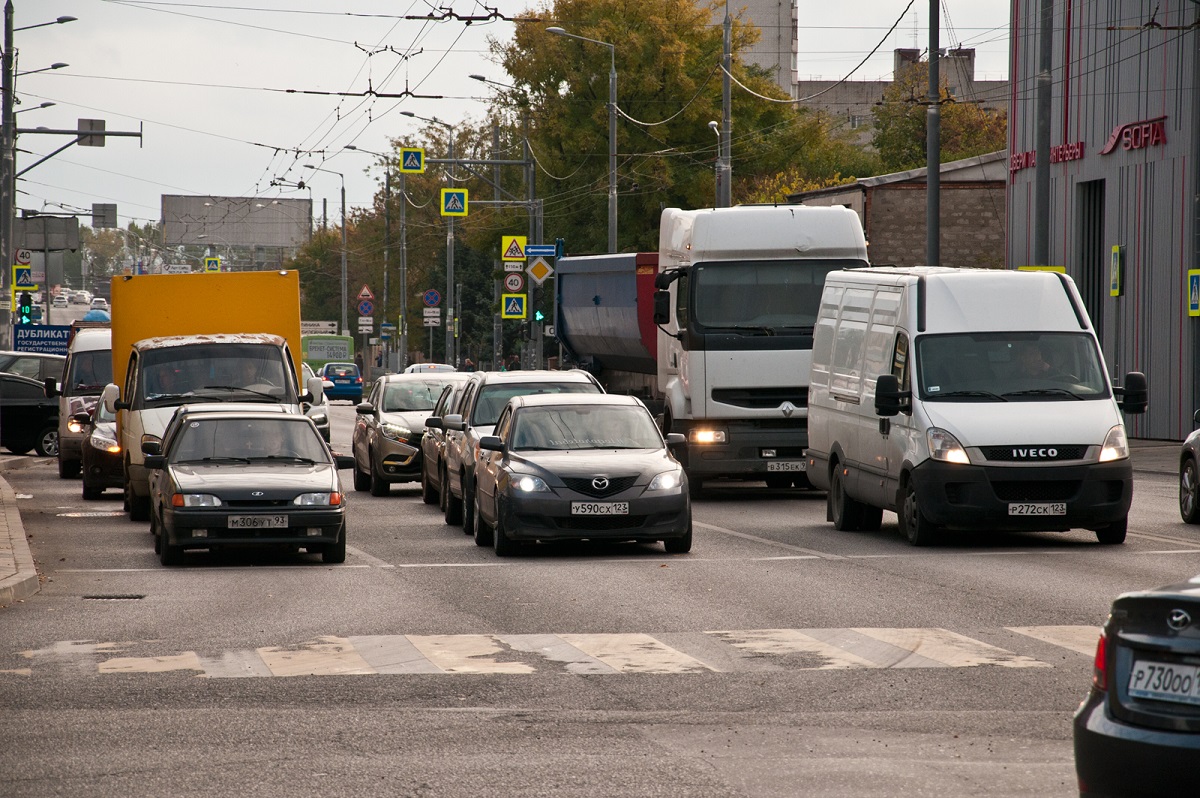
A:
[451,321]
[342,177]
[46,104]
[55,65]
[612,130]
[387,248]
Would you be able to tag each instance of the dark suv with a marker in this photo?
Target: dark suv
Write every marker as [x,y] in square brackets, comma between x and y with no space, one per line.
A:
[486,394]
[28,419]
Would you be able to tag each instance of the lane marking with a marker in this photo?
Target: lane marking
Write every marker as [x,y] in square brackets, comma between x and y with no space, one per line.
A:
[950,648]
[768,542]
[1081,639]
[635,653]
[325,656]
[466,654]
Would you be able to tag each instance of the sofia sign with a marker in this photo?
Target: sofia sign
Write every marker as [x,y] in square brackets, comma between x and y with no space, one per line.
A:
[1137,135]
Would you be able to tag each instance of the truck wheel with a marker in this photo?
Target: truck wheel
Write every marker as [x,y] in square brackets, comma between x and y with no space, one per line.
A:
[919,530]
[846,513]
[1114,533]
[68,469]
[46,442]
[1189,492]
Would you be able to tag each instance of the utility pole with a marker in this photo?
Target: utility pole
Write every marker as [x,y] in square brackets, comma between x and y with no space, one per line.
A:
[7,162]
[403,273]
[724,145]
[387,250]
[1041,164]
[933,142]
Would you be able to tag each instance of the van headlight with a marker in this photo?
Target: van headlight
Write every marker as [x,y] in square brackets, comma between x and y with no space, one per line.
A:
[667,480]
[1116,446]
[945,447]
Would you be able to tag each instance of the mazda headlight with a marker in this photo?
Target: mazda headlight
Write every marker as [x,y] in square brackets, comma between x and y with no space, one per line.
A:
[318,499]
[530,484]
[1116,446]
[194,500]
[395,432]
[667,480]
[945,447]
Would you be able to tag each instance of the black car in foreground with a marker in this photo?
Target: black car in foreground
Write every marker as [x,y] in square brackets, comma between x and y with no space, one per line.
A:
[28,420]
[579,467]
[1138,731]
[101,464]
[245,478]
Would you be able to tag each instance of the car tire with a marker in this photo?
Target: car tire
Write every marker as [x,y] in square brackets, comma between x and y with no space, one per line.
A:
[468,504]
[695,486]
[46,442]
[91,493]
[156,532]
[335,553]
[482,533]
[362,482]
[453,506]
[442,491]
[845,513]
[1189,492]
[69,469]
[917,528]
[379,486]
[502,544]
[679,545]
[1113,534]
[168,555]
[427,494]
[19,447]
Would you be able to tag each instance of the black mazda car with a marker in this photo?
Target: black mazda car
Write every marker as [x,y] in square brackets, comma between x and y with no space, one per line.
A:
[1138,731]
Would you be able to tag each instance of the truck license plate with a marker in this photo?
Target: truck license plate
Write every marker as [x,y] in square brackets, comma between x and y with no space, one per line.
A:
[599,508]
[1037,508]
[787,465]
[258,522]
[1165,682]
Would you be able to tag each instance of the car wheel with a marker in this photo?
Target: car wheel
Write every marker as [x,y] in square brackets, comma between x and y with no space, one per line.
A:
[468,503]
[427,494]
[695,486]
[19,447]
[68,469]
[454,507]
[479,528]
[46,442]
[155,531]
[680,545]
[442,492]
[91,493]
[846,513]
[919,530]
[362,481]
[335,553]
[502,544]
[1114,533]
[379,487]
[1189,492]
[779,481]
[168,555]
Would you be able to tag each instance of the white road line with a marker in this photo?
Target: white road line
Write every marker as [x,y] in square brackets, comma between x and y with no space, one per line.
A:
[635,653]
[374,561]
[793,641]
[465,654]
[325,656]
[1076,638]
[824,555]
[951,648]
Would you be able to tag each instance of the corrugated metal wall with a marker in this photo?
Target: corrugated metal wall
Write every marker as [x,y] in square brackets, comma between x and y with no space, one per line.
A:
[1110,70]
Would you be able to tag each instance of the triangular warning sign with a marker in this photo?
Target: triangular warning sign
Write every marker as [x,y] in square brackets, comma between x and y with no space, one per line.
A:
[454,202]
[515,307]
[514,251]
[412,160]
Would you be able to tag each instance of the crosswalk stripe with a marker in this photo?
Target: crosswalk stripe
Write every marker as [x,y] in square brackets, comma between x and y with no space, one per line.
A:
[1081,639]
[635,653]
[325,656]
[465,654]
[556,649]
[177,662]
[235,665]
[950,648]
[392,654]
[821,655]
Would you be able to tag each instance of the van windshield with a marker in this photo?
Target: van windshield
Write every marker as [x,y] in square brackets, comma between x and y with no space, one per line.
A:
[761,295]
[217,372]
[88,373]
[1009,367]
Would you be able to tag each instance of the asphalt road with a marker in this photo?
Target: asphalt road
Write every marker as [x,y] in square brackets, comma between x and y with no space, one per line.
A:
[780,657]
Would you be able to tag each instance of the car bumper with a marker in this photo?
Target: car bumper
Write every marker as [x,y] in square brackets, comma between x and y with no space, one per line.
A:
[200,529]
[101,468]
[397,461]
[535,516]
[1114,758]
[750,448]
[352,392]
[973,497]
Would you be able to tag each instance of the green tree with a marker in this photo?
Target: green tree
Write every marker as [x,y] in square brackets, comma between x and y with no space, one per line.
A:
[901,120]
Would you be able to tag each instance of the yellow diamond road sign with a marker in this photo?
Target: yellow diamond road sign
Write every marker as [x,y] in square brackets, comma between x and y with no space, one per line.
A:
[539,270]
[512,247]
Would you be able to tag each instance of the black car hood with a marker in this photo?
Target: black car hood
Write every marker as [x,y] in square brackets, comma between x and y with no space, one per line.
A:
[240,480]
[557,465]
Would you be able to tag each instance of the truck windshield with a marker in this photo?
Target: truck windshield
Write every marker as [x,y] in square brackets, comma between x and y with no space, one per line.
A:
[1009,367]
[761,296]
[217,372]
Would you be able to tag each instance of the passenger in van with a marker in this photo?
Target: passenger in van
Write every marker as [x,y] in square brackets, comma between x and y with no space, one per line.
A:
[1032,363]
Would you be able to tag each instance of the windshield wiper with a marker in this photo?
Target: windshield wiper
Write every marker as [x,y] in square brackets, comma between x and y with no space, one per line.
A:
[215,460]
[1045,392]
[263,394]
[169,397]
[291,458]
[969,395]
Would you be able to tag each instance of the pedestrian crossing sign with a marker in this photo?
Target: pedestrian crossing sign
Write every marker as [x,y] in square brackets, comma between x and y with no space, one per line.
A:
[512,247]
[512,306]
[212,264]
[1193,292]
[412,160]
[454,202]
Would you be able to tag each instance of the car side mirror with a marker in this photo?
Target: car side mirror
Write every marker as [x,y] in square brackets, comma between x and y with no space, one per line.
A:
[364,408]
[1135,395]
[455,422]
[155,461]
[889,399]
[676,439]
[434,422]
[343,461]
[491,443]
[151,447]
[662,307]
[51,388]
[83,419]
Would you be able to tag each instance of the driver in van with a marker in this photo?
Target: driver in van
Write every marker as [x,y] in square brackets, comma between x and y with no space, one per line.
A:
[1031,362]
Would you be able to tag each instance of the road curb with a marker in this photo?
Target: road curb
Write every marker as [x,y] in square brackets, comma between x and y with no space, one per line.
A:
[24,583]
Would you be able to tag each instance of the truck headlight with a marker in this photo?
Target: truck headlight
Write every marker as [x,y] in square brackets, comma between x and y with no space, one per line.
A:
[194,500]
[1116,446]
[667,480]
[945,447]
[703,436]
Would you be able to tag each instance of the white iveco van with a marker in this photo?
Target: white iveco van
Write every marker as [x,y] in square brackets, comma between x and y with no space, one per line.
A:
[966,399]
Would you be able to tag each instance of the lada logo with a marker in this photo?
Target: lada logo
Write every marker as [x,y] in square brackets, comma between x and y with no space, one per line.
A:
[256,493]
[1034,454]
[1178,619]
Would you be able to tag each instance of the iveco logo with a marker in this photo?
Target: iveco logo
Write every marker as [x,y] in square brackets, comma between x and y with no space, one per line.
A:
[256,493]
[600,483]
[1178,619]
[788,408]
[1034,454]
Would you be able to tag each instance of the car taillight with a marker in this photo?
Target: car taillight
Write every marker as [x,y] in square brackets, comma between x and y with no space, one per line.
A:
[358,380]
[1100,666]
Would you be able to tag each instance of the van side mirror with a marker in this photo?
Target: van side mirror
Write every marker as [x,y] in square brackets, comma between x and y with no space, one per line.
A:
[662,307]
[155,461]
[889,399]
[151,447]
[1134,394]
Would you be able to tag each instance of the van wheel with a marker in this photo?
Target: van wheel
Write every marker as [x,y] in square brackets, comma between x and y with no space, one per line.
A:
[919,530]
[846,513]
[1189,493]
[1113,534]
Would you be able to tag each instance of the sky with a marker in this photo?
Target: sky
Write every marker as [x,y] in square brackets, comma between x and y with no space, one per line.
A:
[233,95]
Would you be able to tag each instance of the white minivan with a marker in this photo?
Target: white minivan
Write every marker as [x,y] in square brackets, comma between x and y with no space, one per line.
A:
[966,399]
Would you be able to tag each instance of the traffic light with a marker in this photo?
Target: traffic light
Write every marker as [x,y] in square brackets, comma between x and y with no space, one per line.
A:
[25,308]
[538,316]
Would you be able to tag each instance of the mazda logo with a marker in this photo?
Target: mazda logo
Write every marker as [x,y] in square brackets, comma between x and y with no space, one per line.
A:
[256,493]
[1178,619]
[600,483]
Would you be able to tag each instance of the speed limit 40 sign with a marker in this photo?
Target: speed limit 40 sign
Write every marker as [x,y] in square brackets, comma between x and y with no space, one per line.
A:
[514,282]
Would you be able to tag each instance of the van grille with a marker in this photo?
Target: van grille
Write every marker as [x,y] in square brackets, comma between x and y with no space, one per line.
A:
[1033,454]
